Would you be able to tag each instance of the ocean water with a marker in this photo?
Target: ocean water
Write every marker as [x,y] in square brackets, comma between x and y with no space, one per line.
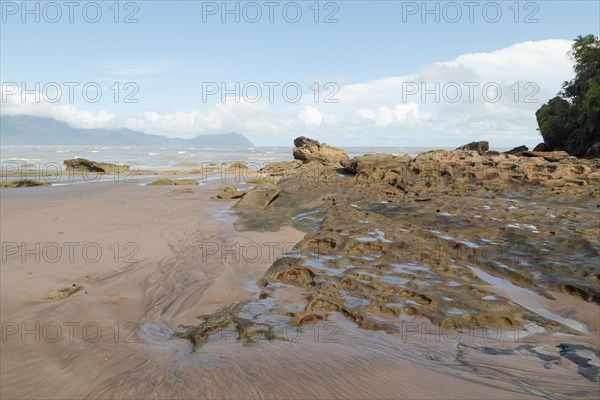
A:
[162,158]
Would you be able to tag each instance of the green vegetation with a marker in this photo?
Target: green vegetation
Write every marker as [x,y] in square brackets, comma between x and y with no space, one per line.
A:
[261,180]
[571,121]
[184,191]
[171,182]
[22,183]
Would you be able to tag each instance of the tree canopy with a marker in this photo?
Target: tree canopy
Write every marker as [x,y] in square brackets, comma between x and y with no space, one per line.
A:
[571,120]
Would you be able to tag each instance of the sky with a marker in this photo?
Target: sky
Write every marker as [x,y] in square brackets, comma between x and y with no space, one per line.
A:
[349,73]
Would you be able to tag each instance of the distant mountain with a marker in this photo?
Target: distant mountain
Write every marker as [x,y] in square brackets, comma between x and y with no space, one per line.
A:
[26,130]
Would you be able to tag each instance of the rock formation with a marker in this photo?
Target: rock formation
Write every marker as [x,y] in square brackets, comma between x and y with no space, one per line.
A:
[307,150]
[83,165]
[542,147]
[547,155]
[258,198]
[517,151]
[593,151]
[394,237]
[479,147]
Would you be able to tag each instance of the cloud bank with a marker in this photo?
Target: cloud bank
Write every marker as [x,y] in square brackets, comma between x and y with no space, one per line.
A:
[490,96]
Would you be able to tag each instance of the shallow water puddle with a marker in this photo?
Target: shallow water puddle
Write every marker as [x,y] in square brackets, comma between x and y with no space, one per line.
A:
[317,262]
[155,332]
[407,268]
[490,298]
[532,228]
[526,298]
[381,236]
[366,239]
[452,239]
[395,280]
[305,215]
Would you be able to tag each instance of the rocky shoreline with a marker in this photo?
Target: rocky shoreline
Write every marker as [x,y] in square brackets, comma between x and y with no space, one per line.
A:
[396,237]
[469,273]
[389,237]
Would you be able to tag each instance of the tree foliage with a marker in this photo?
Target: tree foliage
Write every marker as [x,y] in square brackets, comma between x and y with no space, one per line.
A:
[571,121]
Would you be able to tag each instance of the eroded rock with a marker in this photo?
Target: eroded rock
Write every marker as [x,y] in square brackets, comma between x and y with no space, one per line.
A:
[230,192]
[283,168]
[517,151]
[480,147]
[392,237]
[258,198]
[552,156]
[593,150]
[307,150]
[84,165]
[542,147]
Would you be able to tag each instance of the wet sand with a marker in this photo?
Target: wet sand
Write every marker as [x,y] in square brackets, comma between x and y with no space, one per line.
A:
[178,258]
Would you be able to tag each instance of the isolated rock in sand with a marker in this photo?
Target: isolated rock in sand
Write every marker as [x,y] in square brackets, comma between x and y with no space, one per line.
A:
[174,182]
[258,198]
[517,151]
[480,147]
[64,293]
[311,150]
[552,156]
[214,322]
[22,183]
[81,164]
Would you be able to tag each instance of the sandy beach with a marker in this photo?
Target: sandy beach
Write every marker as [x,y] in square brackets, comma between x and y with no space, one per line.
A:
[137,254]
[111,339]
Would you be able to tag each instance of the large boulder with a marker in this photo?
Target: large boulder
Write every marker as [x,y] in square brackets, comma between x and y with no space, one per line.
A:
[258,198]
[491,153]
[307,150]
[84,165]
[542,147]
[517,151]
[480,147]
[593,150]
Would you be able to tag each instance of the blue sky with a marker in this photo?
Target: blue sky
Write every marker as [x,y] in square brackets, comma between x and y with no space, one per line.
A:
[176,48]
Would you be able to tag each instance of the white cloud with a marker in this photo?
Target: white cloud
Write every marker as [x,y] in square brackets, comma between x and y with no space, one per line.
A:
[544,61]
[377,112]
[385,116]
[311,116]
[14,102]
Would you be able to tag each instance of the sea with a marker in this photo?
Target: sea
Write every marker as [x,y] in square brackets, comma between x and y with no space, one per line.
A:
[164,158]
